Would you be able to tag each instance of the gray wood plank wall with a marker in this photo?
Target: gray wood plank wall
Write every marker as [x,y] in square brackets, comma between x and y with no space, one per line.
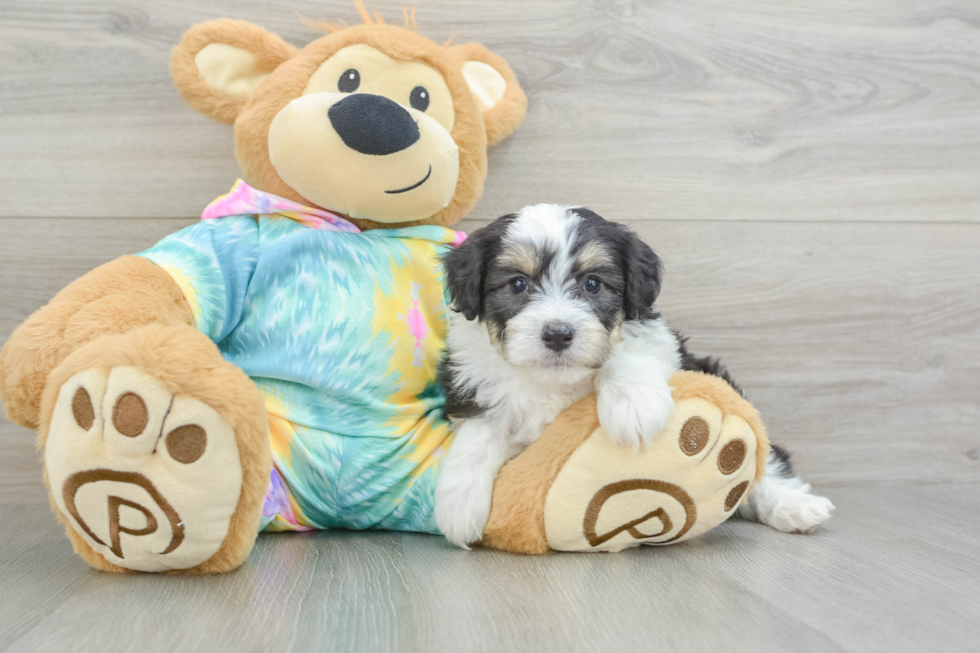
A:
[853,110]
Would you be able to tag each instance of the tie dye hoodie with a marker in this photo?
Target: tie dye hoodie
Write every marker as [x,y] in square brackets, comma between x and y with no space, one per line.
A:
[342,332]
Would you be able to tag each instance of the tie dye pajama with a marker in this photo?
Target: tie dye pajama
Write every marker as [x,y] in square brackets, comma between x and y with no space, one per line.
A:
[342,332]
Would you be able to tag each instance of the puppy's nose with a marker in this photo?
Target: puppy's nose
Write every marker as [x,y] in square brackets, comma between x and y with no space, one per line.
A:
[373,124]
[557,336]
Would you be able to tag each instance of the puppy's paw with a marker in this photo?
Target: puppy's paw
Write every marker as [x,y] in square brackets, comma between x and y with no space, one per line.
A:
[634,414]
[462,508]
[799,513]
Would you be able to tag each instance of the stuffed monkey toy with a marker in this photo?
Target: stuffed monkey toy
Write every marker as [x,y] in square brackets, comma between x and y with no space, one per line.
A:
[273,367]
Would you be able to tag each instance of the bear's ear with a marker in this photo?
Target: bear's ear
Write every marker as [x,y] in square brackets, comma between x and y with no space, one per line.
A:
[218,64]
[495,88]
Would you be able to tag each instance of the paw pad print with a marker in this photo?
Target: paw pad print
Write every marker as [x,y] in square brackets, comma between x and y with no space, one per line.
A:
[695,435]
[146,478]
[694,475]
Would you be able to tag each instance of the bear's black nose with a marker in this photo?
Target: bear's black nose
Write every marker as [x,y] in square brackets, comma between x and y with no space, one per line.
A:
[373,124]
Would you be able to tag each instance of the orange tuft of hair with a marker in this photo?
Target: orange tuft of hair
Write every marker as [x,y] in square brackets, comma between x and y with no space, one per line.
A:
[376,19]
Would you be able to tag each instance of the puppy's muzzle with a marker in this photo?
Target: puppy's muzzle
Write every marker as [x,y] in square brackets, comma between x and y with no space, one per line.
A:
[558,336]
[373,124]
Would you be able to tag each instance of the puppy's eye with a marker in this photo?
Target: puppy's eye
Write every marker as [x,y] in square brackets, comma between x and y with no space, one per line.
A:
[419,98]
[593,285]
[518,285]
[349,81]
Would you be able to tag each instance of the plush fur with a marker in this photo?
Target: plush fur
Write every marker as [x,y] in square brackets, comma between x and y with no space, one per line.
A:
[516,521]
[117,297]
[503,118]
[473,129]
[269,50]
[186,362]
[697,384]
[131,313]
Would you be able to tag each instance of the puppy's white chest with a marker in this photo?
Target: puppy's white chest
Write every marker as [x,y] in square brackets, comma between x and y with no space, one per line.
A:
[555,404]
[544,408]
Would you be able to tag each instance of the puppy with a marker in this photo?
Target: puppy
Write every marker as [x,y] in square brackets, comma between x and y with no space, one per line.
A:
[548,305]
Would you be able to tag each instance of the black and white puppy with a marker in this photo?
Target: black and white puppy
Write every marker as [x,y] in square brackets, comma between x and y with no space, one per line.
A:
[548,305]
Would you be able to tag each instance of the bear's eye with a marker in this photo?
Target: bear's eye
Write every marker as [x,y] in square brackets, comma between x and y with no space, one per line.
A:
[419,98]
[349,81]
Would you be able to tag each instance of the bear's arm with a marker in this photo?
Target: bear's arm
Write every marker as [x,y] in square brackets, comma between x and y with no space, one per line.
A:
[114,298]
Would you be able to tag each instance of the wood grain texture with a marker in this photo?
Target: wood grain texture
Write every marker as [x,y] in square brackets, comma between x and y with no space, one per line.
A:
[871,581]
[684,110]
[859,343]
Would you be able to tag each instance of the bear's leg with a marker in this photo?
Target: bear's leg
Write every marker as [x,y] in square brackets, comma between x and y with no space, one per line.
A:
[156,452]
[574,489]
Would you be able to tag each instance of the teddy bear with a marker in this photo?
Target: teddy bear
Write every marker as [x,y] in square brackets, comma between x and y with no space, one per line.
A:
[274,366]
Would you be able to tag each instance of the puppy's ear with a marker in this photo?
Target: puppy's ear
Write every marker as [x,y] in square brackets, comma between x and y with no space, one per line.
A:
[642,270]
[466,266]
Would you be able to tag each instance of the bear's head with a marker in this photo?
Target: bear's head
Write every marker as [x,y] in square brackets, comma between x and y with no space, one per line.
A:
[373,122]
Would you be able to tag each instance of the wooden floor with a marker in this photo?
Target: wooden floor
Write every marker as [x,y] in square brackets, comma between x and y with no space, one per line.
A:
[810,172]
[875,580]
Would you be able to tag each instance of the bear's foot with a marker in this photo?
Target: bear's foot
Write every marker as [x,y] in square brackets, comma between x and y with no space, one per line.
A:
[574,489]
[149,480]
[146,475]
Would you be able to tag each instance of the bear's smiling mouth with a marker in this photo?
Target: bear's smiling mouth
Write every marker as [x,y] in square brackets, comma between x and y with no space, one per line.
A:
[413,186]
